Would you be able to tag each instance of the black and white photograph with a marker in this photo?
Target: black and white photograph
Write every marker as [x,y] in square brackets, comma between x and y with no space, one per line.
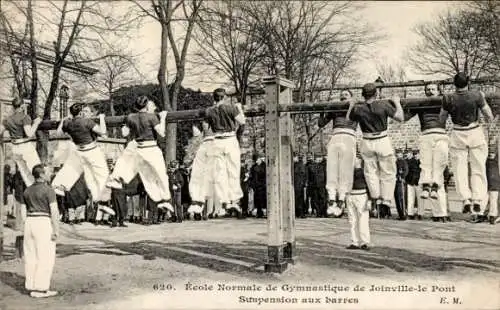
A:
[226,154]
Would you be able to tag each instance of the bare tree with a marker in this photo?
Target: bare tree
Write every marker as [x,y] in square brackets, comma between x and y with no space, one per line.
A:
[451,44]
[80,28]
[311,43]
[228,41]
[487,21]
[166,12]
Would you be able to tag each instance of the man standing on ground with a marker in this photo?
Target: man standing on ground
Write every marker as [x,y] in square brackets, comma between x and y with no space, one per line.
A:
[299,183]
[400,188]
[41,232]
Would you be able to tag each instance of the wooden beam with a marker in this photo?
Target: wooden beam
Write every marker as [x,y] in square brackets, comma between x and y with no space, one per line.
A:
[417,83]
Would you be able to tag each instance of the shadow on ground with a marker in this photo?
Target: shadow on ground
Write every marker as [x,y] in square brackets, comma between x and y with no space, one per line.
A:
[246,258]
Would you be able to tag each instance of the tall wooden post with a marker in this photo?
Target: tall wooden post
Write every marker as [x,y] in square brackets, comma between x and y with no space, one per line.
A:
[280,196]
[286,171]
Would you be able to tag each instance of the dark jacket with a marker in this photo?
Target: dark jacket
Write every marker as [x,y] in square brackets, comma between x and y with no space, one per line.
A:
[176,178]
[492,174]
[258,177]
[413,171]
[316,175]
[299,175]
[401,170]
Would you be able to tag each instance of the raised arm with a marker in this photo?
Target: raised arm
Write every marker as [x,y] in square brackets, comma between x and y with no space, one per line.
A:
[30,130]
[399,114]
[160,128]
[240,117]
[101,128]
[485,109]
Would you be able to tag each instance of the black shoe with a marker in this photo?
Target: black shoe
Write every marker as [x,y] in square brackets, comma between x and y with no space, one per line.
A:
[492,220]
[419,217]
[435,219]
[365,247]
[466,209]
[197,217]
[447,218]
[476,207]
[411,217]
[114,224]
[122,225]
[352,247]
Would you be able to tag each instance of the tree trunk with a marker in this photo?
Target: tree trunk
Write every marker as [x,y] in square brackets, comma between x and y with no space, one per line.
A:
[165,97]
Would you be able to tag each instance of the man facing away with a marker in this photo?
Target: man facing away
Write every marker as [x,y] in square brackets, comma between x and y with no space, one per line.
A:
[21,129]
[88,159]
[376,147]
[41,231]
[143,156]
[224,119]
[341,154]
[468,142]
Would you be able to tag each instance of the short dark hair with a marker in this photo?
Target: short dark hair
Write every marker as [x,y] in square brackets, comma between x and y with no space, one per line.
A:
[220,90]
[369,90]
[17,102]
[38,171]
[75,109]
[461,80]
[141,102]
[347,90]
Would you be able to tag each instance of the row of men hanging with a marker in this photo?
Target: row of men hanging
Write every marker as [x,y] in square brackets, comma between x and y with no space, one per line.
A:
[364,179]
[216,167]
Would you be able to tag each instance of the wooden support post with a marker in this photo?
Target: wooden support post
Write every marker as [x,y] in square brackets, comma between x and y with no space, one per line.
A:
[286,170]
[275,262]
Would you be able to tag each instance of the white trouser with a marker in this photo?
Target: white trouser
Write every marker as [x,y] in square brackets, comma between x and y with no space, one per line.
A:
[468,154]
[414,201]
[39,253]
[439,206]
[380,168]
[200,183]
[76,214]
[225,168]
[25,157]
[358,211]
[10,205]
[493,203]
[340,163]
[92,163]
[145,159]
[20,214]
[433,157]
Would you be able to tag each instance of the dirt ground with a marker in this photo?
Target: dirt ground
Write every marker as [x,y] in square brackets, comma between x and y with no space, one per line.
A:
[104,268]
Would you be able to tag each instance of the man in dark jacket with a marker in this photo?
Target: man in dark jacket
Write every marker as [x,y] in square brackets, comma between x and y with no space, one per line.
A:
[493,177]
[258,184]
[412,187]
[399,192]
[176,181]
[244,179]
[299,183]
[316,180]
